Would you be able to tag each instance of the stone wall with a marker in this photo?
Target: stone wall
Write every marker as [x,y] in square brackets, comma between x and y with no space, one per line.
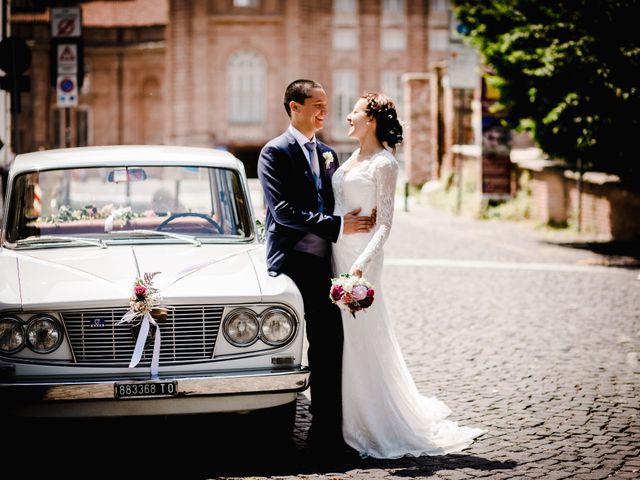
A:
[605,207]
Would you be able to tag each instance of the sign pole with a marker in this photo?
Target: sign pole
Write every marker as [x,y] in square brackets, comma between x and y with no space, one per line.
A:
[67,127]
[462,66]
[66,52]
[459,155]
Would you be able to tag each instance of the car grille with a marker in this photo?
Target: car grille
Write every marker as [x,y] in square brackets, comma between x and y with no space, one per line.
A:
[189,334]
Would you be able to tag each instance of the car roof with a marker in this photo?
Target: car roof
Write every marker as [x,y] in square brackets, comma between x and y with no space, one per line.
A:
[110,156]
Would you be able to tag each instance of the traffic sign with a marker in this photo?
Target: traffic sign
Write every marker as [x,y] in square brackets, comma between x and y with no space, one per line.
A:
[67,91]
[65,22]
[67,58]
[463,63]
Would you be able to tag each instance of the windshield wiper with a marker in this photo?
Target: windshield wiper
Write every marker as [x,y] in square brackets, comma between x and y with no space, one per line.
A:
[53,239]
[145,233]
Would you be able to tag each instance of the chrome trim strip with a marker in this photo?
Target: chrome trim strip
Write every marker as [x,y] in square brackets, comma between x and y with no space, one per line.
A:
[255,382]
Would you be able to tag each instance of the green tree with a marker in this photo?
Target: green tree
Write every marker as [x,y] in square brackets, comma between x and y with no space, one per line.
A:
[569,71]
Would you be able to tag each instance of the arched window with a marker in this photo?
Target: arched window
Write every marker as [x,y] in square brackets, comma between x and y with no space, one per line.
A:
[246,84]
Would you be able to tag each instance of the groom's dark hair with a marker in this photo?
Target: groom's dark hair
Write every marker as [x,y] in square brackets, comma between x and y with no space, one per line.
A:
[298,91]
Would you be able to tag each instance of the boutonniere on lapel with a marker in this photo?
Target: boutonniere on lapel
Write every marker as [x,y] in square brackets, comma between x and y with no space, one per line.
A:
[328,159]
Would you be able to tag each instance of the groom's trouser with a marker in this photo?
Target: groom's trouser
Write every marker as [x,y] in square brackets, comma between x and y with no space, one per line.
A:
[312,275]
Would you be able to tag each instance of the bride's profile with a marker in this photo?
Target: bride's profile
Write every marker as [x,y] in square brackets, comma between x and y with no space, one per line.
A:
[384,414]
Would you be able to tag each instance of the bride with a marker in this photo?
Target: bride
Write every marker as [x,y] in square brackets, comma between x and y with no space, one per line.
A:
[384,415]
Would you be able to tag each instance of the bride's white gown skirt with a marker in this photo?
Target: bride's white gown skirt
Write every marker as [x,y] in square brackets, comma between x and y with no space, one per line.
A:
[384,414]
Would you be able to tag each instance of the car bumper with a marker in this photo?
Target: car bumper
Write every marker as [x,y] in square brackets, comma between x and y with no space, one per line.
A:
[213,393]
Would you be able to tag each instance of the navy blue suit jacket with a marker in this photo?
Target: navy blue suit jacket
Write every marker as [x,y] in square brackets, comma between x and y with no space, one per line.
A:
[291,197]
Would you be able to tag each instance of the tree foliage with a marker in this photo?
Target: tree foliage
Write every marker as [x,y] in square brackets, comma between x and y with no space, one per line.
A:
[570,70]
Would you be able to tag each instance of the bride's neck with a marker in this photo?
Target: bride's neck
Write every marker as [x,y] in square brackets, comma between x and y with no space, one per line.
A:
[370,146]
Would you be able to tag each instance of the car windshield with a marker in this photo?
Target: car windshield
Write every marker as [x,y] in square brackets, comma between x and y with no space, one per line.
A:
[116,204]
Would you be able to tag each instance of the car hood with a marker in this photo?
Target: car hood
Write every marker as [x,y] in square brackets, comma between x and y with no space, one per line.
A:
[81,277]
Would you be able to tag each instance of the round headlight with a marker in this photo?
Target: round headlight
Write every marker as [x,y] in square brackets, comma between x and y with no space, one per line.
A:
[277,326]
[241,327]
[11,335]
[43,334]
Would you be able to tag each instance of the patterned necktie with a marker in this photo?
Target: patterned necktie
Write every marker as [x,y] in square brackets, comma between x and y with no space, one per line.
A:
[315,170]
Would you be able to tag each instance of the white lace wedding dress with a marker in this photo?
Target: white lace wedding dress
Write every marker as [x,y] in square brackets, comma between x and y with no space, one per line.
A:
[384,415]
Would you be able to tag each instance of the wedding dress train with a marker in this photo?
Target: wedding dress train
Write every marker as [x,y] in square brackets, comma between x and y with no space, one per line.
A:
[384,414]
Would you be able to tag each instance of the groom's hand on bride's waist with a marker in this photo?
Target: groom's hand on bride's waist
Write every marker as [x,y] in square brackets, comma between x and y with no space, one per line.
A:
[354,223]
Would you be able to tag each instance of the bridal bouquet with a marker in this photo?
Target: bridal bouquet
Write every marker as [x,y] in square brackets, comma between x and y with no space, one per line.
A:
[351,293]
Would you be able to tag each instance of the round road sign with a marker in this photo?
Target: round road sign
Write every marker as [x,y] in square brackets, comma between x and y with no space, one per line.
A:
[67,85]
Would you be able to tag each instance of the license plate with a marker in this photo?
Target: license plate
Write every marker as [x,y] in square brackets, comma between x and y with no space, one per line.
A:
[146,389]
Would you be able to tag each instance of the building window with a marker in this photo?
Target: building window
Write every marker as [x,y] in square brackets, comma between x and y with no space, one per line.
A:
[245,3]
[394,7]
[345,91]
[439,5]
[394,40]
[345,39]
[345,6]
[391,82]
[438,40]
[246,84]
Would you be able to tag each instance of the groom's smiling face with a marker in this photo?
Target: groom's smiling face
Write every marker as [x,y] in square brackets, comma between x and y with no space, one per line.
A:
[308,117]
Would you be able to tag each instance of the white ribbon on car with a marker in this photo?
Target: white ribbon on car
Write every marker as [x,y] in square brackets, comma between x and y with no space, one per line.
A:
[199,266]
[143,333]
[148,320]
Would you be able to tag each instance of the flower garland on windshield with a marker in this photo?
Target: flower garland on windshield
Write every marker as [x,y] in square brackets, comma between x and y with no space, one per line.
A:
[90,212]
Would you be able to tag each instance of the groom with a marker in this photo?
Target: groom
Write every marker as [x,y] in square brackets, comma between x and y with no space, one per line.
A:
[295,171]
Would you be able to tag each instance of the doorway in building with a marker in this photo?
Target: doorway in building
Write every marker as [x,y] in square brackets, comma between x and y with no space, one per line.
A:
[249,157]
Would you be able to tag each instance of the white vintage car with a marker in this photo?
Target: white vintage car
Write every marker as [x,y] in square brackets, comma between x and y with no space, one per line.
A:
[80,227]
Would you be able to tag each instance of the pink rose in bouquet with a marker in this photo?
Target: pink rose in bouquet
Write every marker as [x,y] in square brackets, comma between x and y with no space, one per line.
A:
[139,291]
[351,293]
[359,292]
[144,297]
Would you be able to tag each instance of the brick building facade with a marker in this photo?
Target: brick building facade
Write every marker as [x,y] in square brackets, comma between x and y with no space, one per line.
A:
[212,72]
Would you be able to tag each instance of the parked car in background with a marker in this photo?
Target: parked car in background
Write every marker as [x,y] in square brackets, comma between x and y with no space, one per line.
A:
[81,228]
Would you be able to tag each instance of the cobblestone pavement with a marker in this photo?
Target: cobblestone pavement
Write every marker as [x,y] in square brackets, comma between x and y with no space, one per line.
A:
[521,332]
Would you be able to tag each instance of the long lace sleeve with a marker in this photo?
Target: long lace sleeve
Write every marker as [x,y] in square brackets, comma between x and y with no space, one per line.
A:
[386,175]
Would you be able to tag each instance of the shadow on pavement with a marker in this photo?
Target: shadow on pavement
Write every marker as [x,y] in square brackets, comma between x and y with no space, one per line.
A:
[193,447]
[616,253]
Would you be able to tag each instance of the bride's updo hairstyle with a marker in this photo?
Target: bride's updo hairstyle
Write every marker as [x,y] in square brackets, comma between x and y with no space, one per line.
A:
[388,128]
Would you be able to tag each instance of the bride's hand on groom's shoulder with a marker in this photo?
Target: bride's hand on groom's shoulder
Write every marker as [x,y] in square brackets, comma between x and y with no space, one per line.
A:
[354,223]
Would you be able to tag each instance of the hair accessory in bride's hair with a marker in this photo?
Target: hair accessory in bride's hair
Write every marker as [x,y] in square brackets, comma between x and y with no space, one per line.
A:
[351,293]
[388,127]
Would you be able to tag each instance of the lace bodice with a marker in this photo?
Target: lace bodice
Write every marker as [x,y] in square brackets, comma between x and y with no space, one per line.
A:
[370,184]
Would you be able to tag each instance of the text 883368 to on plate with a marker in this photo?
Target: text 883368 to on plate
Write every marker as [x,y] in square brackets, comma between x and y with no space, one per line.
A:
[146,389]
